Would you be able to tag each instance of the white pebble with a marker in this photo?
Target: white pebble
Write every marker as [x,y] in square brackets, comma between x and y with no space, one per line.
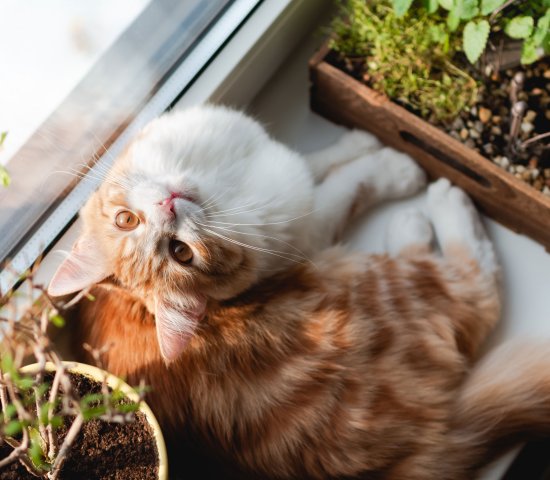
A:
[527,127]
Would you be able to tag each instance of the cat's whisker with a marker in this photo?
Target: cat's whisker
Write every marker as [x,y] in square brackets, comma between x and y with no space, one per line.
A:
[252,247]
[211,199]
[266,223]
[210,202]
[106,152]
[100,175]
[241,207]
[237,211]
[300,254]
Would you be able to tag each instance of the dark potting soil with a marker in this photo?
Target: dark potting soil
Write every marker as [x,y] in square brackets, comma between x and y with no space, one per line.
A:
[102,450]
[485,127]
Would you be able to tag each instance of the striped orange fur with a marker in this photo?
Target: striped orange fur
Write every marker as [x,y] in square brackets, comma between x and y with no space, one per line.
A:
[348,367]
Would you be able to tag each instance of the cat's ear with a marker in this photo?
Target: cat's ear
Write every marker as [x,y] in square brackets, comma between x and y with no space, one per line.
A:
[176,324]
[84,266]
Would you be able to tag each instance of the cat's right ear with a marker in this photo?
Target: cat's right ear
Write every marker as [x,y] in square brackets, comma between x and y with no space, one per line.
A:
[83,267]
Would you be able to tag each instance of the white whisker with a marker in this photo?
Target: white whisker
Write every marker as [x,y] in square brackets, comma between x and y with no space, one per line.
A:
[301,255]
[266,223]
[264,250]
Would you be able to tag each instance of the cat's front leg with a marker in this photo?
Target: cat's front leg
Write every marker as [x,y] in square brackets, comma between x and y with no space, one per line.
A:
[354,187]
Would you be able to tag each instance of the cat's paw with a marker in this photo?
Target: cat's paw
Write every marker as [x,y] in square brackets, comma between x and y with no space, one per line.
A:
[457,222]
[451,210]
[399,175]
[408,228]
[358,142]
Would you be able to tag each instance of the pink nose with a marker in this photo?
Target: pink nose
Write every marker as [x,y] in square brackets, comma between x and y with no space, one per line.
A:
[168,203]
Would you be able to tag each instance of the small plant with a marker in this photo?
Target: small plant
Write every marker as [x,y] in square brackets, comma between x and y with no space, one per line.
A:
[408,60]
[528,20]
[5,178]
[41,410]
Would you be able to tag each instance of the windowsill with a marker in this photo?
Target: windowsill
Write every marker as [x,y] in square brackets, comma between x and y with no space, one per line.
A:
[282,105]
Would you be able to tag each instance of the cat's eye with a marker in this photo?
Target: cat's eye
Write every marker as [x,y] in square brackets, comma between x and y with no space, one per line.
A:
[126,220]
[181,252]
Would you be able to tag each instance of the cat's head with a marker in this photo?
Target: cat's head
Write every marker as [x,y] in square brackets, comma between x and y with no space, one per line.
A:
[162,224]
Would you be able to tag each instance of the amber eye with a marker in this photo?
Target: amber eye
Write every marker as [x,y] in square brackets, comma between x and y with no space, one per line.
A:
[126,220]
[181,252]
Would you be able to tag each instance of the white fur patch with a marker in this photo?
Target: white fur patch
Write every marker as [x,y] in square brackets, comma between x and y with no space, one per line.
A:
[408,228]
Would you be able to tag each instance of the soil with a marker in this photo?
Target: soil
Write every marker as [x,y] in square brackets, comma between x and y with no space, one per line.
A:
[486,126]
[102,450]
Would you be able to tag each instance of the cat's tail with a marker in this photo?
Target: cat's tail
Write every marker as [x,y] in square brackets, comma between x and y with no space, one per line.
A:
[505,400]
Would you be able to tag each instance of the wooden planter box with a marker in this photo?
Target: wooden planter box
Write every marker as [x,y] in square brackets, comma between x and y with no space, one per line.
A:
[344,100]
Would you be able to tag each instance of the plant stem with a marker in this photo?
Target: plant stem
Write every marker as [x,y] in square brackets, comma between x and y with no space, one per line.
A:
[3,395]
[19,453]
[535,139]
[52,439]
[499,9]
[65,446]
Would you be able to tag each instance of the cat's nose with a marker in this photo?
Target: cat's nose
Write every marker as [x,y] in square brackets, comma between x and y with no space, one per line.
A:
[167,205]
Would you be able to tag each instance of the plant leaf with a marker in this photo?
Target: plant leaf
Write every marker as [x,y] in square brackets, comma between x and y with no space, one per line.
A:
[529,52]
[57,320]
[5,178]
[401,7]
[430,5]
[489,6]
[93,412]
[24,383]
[519,27]
[36,450]
[475,38]
[56,421]
[127,407]
[542,30]
[467,9]
[3,136]
[453,20]
[7,365]
[90,398]
[9,413]
[448,4]
[13,428]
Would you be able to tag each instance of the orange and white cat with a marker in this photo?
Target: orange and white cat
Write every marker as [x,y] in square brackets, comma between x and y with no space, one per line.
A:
[209,245]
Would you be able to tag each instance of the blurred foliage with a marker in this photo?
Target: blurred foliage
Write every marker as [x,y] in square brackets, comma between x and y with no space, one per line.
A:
[5,178]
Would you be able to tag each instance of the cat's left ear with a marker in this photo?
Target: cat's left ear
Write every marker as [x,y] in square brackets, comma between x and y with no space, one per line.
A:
[84,266]
[176,323]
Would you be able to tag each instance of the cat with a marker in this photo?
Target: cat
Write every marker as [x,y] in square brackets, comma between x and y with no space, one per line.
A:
[209,249]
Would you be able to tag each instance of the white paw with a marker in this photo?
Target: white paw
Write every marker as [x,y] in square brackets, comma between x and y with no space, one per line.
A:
[359,142]
[456,221]
[408,228]
[452,212]
[399,175]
